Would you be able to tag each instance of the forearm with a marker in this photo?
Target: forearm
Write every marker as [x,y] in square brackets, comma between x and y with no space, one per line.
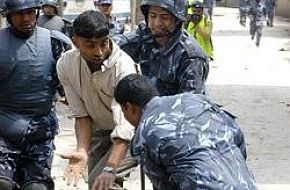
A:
[118,152]
[83,127]
[205,33]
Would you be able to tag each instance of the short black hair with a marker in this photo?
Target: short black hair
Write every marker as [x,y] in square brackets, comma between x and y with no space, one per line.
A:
[90,24]
[136,89]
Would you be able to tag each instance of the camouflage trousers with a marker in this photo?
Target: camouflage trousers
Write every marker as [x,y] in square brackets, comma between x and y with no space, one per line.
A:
[30,157]
[100,150]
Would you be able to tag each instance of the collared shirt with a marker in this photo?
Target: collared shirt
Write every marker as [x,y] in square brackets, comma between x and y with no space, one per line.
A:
[92,94]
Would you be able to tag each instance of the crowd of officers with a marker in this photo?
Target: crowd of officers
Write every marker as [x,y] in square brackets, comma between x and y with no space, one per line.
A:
[136,98]
[257,11]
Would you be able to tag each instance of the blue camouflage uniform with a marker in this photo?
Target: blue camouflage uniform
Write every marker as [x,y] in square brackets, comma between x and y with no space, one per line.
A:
[180,66]
[28,83]
[188,142]
[257,12]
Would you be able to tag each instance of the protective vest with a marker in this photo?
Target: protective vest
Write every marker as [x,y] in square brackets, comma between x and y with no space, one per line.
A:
[54,23]
[205,43]
[27,78]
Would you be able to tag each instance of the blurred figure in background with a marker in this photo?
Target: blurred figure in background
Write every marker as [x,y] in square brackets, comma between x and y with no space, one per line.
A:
[270,6]
[106,7]
[243,10]
[200,27]
[50,19]
[256,13]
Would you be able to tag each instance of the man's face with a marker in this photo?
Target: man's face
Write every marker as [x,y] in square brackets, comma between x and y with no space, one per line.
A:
[23,21]
[160,21]
[48,10]
[106,9]
[94,50]
[196,14]
[132,113]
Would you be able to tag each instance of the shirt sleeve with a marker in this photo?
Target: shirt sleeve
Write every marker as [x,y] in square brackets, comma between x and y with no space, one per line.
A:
[123,129]
[75,104]
[194,72]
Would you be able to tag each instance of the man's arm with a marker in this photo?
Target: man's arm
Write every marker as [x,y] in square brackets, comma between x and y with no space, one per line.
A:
[193,74]
[206,32]
[83,127]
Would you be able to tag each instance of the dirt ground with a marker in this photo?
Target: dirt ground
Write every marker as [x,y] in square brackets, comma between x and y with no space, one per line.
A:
[253,83]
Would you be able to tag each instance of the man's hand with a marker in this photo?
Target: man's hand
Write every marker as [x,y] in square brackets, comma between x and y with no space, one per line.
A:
[76,167]
[104,181]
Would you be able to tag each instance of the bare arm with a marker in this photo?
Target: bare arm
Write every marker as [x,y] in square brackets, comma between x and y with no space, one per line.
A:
[83,127]
[119,150]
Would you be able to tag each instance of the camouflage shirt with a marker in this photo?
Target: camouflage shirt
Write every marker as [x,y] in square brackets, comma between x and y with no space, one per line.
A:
[179,66]
[188,142]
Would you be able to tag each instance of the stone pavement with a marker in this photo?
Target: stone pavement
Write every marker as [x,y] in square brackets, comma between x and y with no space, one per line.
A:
[254,83]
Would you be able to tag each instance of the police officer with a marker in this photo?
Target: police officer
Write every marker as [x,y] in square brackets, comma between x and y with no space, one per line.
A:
[168,56]
[184,142]
[257,12]
[270,6]
[244,6]
[28,83]
[50,20]
[106,7]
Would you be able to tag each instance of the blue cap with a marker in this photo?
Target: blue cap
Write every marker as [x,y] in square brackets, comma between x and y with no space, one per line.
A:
[101,2]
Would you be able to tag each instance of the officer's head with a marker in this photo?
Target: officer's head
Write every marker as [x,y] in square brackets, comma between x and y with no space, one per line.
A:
[91,29]
[50,7]
[196,11]
[106,7]
[22,15]
[133,92]
[163,17]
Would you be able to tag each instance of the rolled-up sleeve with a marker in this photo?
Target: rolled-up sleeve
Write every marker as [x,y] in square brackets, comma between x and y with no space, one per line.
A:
[75,104]
[123,129]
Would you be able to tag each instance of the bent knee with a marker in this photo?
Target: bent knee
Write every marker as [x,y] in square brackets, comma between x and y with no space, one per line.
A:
[6,183]
[33,185]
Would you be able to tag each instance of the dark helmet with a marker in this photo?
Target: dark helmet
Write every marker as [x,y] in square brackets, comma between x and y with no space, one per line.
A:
[17,5]
[196,4]
[175,7]
[2,6]
[53,3]
[108,2]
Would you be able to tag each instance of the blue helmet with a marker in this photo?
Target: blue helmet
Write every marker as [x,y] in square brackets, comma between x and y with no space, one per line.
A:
[17,5]
[53,3]
[101,2]
[175,7]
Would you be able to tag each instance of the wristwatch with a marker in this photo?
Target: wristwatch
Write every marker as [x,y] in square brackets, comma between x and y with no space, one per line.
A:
[109,169]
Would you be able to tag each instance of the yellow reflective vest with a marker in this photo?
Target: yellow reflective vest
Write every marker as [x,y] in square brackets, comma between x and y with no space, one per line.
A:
[204,42]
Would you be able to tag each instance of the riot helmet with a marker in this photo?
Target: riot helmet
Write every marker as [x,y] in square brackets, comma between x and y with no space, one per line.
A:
[175,7]
[106,2]
[50,7]
[53,3]
[17,5]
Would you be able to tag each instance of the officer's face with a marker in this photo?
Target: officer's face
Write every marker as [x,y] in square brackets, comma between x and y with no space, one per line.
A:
[23,21]
[106,9]
[48,10]
[132,113]
[94,50]
[161,22]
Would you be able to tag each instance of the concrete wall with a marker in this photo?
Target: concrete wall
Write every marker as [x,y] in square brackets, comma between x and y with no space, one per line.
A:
[283,8]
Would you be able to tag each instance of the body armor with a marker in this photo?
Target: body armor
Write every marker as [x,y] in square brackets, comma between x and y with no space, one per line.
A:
[27,78]
[54,23]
